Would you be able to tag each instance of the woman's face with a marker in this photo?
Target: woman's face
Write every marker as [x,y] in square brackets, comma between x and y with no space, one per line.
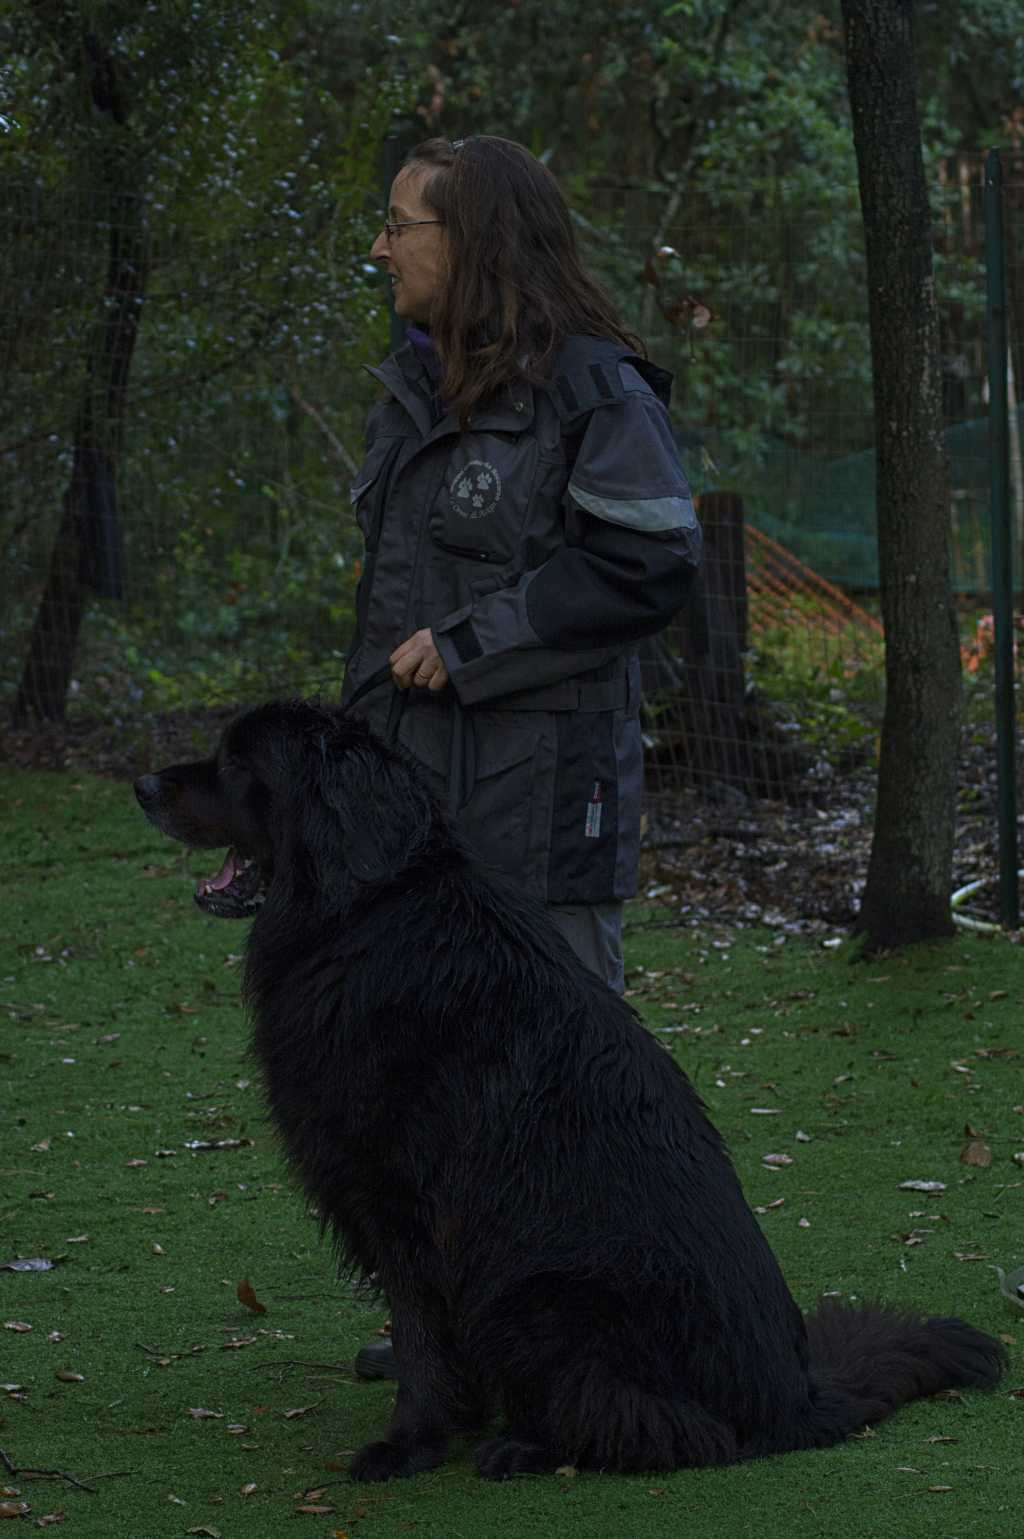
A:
[413,257]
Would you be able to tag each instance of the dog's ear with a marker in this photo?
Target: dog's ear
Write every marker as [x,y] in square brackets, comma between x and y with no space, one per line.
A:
[377,815]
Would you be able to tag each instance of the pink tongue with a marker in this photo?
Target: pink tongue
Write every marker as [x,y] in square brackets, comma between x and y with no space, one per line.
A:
[225,876]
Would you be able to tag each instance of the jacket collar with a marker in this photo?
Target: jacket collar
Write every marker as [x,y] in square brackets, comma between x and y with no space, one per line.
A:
[405,376]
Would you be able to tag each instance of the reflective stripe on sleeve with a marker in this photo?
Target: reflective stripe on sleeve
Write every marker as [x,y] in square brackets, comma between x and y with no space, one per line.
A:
[655,515]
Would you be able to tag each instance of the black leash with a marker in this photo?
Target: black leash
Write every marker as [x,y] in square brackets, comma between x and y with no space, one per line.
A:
[462,754]
[398,701]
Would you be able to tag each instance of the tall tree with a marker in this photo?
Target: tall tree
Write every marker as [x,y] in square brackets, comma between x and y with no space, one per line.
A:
[87,548]
[188,232]
[906,897]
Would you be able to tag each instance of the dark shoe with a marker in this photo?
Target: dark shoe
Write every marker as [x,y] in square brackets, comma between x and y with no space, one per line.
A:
[377,1360]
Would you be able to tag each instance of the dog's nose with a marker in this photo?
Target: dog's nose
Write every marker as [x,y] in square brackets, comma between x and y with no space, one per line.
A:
[147,788]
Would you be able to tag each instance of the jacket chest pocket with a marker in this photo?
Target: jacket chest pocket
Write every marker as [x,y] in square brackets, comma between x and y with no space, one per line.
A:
[480,509]
[369,490]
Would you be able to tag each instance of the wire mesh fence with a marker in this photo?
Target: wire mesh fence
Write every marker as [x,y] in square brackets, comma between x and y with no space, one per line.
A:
[181,428]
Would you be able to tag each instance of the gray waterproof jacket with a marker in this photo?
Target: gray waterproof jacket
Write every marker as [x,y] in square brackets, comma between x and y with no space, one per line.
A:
[539,546]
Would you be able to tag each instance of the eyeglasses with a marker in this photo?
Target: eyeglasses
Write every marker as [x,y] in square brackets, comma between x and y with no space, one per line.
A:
[392,231]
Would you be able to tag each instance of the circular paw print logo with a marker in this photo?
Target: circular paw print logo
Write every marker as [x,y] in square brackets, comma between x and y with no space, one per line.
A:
[475,490]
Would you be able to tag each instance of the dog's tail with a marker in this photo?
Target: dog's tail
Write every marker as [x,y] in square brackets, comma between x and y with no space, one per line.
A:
[868,1361]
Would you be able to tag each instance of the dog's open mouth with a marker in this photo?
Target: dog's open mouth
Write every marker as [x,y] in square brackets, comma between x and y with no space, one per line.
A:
[237,890]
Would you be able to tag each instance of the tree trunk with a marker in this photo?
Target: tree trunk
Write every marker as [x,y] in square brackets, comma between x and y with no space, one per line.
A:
[87,546]
[909,876]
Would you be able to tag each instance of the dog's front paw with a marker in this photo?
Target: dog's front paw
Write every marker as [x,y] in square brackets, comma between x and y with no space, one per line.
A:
[503,1457]
[395,1461]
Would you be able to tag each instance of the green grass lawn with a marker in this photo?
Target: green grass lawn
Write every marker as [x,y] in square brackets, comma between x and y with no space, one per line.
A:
[123,1042]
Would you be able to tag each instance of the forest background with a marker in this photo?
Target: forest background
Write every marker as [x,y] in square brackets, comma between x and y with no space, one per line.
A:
[189,193]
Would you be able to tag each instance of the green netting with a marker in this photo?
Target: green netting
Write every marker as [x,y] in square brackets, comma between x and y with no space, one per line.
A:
[823,509]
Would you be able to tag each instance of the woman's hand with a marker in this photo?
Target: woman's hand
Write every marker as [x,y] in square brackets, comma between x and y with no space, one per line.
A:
[417,663]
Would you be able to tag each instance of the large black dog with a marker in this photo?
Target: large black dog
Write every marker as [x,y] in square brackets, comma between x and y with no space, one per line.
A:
[489,1132]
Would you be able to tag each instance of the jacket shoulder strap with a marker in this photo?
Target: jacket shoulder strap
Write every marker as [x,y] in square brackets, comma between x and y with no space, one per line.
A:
[586,375]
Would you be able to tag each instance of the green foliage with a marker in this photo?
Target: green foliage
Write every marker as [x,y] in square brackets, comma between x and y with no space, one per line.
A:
[251,144]
[830,686]
[254,172]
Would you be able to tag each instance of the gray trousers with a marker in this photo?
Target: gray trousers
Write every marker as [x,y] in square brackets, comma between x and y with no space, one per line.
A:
[594,931]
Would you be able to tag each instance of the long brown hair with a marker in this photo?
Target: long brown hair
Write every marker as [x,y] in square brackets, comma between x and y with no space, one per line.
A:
[514,286]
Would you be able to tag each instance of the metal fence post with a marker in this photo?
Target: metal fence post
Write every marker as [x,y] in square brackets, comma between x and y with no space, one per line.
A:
[1002,556]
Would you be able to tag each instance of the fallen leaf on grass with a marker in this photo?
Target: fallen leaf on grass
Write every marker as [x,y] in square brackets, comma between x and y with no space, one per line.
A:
[301,1410]
[246,1294]
[248,1488]
[49,1518]
[976,1153]
[209,1145]
[35,1264]
[1011,1285]
[68,1376]
[940,1488]
[16,1325]
[776,1161]
[567,1470]
[922,1186]
[42,1147]
[198,1413]
[14,1509]
[205,1529]
[236,1342]
[315,1509]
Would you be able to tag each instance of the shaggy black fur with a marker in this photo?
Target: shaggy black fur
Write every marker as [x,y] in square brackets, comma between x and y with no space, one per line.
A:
[490,1133]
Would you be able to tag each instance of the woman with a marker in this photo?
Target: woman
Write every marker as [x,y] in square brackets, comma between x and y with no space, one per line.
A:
[526,522]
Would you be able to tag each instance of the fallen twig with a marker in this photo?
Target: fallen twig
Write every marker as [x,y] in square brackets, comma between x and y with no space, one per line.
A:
[29,1472]
[293,1362]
